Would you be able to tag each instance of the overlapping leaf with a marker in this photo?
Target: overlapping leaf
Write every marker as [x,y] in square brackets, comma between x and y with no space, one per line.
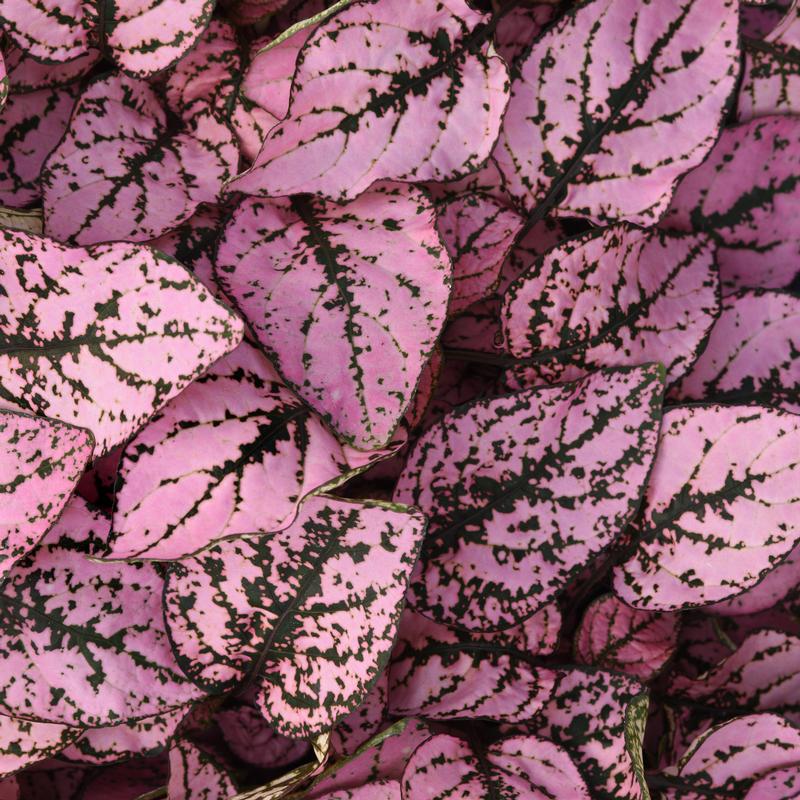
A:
[517,768]
[195,773]
[620,295]
[385,90]
[522,491]
[234,453]
[41,461]
[102,337]
[121,172]
[347,300]
[721,507]
[614,103]
[26,74]
[23,742]
[307,615]
[751,354]
[142,37]
[746,196]
[87,631]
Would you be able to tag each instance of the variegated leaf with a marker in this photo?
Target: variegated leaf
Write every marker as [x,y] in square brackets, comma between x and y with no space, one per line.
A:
[23,742]
[615,636]
[364,722]
[26,74]
[522,491]
[102,337]
[721,507]
[543,236]
[519,28]
[619,295]
[746,196]
[751,354]
[385,90]
[347,300]
[89,632]
[514,768]
[780,784]
[194,774]
[121,172]
[142,37]
[614,103]
[41,461]
[234,453]
[307,615]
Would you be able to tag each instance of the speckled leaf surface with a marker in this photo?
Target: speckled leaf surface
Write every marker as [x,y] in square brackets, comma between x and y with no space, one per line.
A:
[418,97]
[746,195]
[516,768]
[751,354]
[142,36]
[781,784]
[194,773]
[519,28]
[121,172]
[614,103]
[23,742]
[102,337]
[522,491]
[307,615]
[364,722]
[347,300]
[41,462]
[721,507]
[26,74]
[86,631]
[620,295]
[235,453]
[615,636]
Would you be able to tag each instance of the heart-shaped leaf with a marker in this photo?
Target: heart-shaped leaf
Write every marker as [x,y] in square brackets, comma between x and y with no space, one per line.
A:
[746,196]
[478,233]
[347,300]
[522,491]
[516,768]
[234,453]
[102,337]
[614,103]
[41,461]
[440,673]
[308,615]
[122,173]
[142,37]
[23,742]
[771,79]
[619,295]
[721,507]
[385,90]
[751,354]
[90,632]
[195,773]
[615,636]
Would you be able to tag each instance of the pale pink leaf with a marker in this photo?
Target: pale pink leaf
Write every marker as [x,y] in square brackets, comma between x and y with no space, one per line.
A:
[614,103]
[26,74]
[363,722]
[23,742]
[102,337]
[348,300]
[522,491]
[617,296]
[194,774]
[307,615]
[385,90]
[374,790]
[781,784]
[721,507]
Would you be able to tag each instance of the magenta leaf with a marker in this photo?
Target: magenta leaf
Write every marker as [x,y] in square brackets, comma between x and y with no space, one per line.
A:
[141,37]
[771,79]
[516,768]
[120,193]
[385,90]
[87,631]
[24,742]
[615,636]
[614,103]
[307,615]
[41,461]
[478,232]
[543,236]
[234,453]
[374,790]
[518,28]
[347,300]
[620,295]
[522,491]
[781,784]
[196,773]
[721,507]
[128,780]
[746,195]
[26,74]
[751,354]
[103,337]
[441,673]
